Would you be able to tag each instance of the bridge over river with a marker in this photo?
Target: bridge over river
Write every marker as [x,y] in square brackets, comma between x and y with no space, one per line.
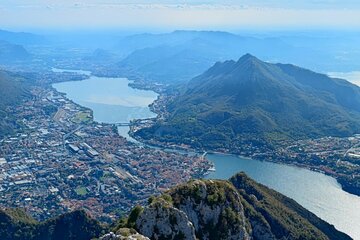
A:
[123,124]
[132,123]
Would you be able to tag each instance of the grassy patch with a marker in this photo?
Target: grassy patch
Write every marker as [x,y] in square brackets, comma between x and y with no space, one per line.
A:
[82,117]
[81,191]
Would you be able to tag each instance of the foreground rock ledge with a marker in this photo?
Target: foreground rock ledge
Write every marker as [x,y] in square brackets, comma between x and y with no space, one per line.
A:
[238,209]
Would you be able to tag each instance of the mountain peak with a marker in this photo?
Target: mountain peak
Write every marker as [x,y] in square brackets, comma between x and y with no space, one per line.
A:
[249,58]
[247,68]
[260,102]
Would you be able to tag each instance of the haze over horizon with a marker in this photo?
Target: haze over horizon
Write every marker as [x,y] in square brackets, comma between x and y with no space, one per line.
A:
[170,14]
[169,119]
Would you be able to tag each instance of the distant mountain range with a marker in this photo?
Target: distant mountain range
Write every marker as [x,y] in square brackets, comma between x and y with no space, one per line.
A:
[200,209]
[21,38]
[14,47]
[249,100]
[181,55]
[12,53]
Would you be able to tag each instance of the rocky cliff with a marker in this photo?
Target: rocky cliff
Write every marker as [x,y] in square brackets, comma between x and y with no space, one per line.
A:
[236,209]
[123,234]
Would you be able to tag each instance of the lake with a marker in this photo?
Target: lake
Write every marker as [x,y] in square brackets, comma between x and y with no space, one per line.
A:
[315,191]
[112,101]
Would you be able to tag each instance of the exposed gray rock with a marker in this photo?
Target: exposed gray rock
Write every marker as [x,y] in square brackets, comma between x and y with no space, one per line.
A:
[262,231]
[219,210]
[161,220]
[124,234]
[196,211]
[204,214]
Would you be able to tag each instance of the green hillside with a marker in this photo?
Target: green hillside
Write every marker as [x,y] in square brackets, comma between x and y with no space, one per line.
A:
[253,102]
[284,215]
[16,225]
[236,209]
[13,91]
[10,52]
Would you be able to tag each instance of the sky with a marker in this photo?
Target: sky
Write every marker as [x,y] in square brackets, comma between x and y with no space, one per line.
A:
[353,77]
[196,14]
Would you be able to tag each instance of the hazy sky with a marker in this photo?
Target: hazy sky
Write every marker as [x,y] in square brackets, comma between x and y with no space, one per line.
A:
[17,14]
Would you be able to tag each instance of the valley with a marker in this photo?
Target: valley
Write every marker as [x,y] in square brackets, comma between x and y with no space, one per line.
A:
[253,125]
[59,162]
[316,191]
[145,137]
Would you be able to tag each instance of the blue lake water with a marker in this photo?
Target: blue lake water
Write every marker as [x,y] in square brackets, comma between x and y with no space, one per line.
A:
[315,191]
[112,100]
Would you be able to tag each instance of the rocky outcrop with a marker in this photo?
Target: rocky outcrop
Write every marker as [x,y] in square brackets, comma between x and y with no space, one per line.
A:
[201,209]
[161,220]
[214,208]
[124,234]
[239,209]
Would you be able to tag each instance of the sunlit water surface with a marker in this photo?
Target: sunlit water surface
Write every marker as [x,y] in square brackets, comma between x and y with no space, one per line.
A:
[113,101]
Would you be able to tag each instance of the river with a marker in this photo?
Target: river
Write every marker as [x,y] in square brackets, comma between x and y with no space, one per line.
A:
[113,101]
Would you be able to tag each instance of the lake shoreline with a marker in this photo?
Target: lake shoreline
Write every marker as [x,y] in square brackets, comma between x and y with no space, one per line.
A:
[229,153]
[160,92]
[175,146]
[239,158]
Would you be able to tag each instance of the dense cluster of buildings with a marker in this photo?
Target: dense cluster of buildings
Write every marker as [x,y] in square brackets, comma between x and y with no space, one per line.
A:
[62,160]
[333,155]
[336,156]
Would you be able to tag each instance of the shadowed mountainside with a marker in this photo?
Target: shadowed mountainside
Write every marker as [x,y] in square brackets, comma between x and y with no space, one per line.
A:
[237,102]
[13,91]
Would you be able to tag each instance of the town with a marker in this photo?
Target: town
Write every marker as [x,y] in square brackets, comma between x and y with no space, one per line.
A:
[62,160]
[338,157]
